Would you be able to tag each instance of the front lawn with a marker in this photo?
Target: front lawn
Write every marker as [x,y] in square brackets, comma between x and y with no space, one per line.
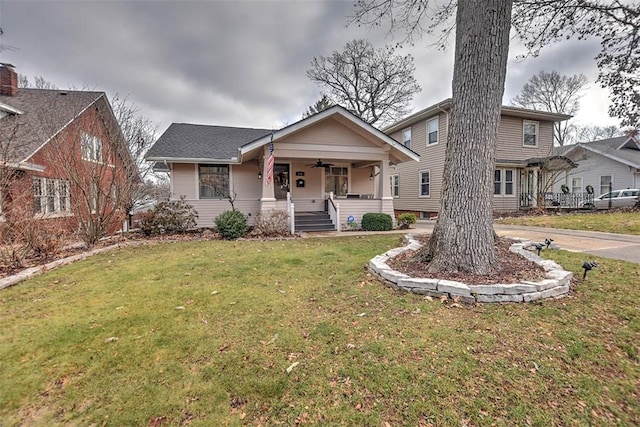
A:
[609,222]
[294,332]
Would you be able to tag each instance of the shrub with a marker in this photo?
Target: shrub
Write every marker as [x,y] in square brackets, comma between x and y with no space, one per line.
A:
[272,223]
[174,216]
[376,222]
[231,224]
[406,219]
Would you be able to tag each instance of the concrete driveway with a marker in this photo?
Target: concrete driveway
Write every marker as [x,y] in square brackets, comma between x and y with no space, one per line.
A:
[608,245]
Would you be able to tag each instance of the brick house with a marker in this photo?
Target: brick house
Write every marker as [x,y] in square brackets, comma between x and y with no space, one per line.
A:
[63,158]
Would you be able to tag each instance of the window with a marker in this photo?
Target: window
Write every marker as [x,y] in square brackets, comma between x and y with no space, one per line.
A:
[497,182]
[51,195]
[529,133]
[395,185]
[91,147]
[336,180]
[213,181]
[432,131]
[425,184]
[406,137]
[508,182]
[503,182]
[576,185]
[606,182]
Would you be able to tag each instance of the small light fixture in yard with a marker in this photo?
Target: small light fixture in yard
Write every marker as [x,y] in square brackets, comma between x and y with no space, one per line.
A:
[588,266]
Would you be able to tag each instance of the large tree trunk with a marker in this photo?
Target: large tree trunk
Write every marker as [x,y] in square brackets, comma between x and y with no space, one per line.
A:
[463,238]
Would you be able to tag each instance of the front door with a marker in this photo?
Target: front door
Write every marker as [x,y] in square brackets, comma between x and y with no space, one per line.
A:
[281,180]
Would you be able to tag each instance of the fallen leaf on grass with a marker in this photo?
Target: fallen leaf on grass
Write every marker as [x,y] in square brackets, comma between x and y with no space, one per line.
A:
[214,292]
[293,365]
[223,347]
[111,339]
[180,307]
[281,291]
[362,314]
[272,340]
[416,311]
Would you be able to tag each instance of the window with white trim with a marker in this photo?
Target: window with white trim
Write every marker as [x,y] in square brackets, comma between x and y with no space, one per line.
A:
[432,131]
[213,181]
[425,183]
[395,185]
[51,195]
[606,182]
[529,133]
[91,147]
[406,137]
[503,182]
[576,185]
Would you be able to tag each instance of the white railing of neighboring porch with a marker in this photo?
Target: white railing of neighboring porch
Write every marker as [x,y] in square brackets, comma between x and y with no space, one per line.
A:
[291,212]
[334,211]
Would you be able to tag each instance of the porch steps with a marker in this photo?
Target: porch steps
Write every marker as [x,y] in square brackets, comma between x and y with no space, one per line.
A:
[313,221]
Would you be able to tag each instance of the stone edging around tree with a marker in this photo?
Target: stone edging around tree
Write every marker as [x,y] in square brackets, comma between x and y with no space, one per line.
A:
[556,284]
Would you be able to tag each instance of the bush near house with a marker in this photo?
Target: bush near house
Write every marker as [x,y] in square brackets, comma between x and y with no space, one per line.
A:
[406,219]
[171,217]
[376,222]
[271,224]
[231,224]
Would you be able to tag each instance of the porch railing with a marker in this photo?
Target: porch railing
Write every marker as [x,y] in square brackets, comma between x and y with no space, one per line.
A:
[291,212]
[556,200]
[333,211]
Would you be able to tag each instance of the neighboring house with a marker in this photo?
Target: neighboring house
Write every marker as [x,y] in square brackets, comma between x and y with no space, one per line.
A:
[524,159]
[331,162]
[609,163]
[61,154]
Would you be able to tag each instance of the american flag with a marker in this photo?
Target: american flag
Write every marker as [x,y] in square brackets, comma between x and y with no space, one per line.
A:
[270,162]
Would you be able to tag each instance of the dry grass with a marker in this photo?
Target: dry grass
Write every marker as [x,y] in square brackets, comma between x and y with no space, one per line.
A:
[295,332]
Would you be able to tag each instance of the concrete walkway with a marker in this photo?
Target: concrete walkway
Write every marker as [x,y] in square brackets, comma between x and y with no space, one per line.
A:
[608,245]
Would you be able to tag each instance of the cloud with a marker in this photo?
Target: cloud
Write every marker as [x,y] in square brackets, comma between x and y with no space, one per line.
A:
[237,63]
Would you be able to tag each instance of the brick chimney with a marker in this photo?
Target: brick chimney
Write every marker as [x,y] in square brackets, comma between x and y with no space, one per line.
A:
[8,79]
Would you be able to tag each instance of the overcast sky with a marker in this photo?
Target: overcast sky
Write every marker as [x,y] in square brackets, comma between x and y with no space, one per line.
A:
[232,63]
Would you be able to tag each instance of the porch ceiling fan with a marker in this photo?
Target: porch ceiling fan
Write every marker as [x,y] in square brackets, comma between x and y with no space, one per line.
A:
[320,164]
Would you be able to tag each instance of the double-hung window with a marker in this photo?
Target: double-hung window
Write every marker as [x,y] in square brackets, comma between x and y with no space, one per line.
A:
[406,137]
[503,182]
[576,185]
[213,181]
[605,183]
[395,185]
[425,183]
[51,195]
[91,147]
[529,133]
[432,131]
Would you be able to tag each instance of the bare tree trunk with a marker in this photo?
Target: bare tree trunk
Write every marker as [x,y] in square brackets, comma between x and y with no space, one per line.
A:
[463,238]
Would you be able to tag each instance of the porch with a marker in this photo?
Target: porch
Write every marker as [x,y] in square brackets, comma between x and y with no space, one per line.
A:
[556,200]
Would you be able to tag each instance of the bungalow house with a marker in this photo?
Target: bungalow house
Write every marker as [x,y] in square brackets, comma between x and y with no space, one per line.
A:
[61,156]
[331,165]
[609,163]
[525,162]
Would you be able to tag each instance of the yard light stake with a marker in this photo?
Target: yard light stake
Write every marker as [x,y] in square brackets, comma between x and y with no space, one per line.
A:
[548,242]
[588,266]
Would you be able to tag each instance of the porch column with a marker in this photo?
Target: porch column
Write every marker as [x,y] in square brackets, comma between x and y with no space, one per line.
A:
[268,199]
[384,192]
[386,199]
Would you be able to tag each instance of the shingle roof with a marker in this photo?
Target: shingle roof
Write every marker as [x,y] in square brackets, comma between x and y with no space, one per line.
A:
[610,148]
[44,114]
[189,141]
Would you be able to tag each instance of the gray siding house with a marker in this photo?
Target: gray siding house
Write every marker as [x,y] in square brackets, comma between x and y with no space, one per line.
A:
[524,159]
[613,162]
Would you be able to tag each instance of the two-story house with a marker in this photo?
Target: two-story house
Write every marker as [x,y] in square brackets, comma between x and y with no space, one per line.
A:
[524,159]
[62,156]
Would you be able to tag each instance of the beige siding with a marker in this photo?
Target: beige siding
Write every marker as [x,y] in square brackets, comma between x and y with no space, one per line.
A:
[184,179]
[209,209]
[509,147]
[510,138]
[431,159]
[359,207]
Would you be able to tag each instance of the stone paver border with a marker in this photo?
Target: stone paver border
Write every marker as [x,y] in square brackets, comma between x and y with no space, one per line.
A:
[556,284]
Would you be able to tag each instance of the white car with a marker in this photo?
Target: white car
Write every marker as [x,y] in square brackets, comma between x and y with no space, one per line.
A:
[619,199]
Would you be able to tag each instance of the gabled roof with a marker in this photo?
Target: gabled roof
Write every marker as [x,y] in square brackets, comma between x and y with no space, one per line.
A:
[37,115]
[445,105]
[623,149]
[202,143]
